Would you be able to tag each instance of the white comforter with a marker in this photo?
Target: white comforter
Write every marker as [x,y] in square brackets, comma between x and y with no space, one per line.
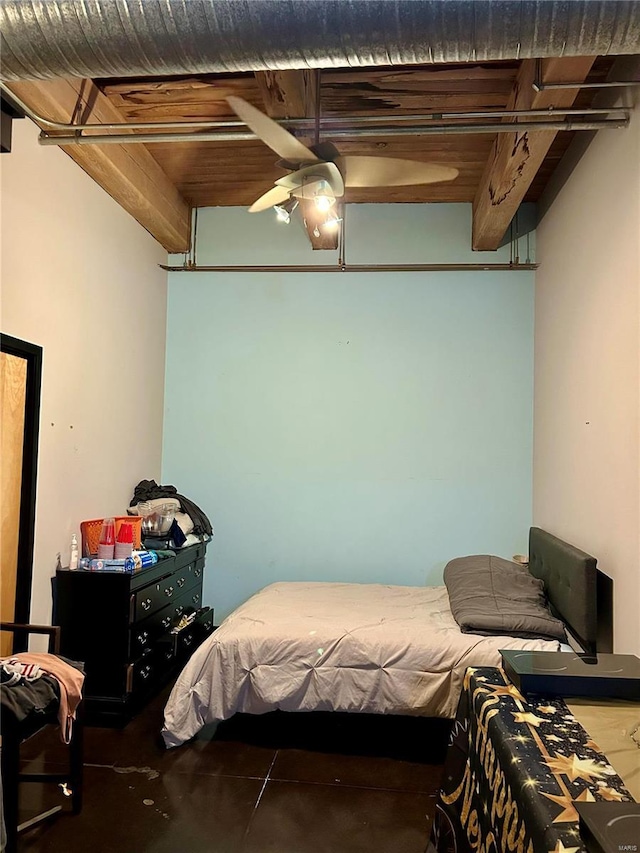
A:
[332,646]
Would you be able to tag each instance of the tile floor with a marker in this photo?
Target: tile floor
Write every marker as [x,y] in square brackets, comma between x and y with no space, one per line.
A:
[280,783]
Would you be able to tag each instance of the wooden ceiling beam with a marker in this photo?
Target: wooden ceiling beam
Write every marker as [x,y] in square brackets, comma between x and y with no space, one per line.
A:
[516,157]
[288,94]
[130,174]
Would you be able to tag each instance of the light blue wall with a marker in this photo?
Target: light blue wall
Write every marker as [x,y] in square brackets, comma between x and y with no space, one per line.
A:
[357,427]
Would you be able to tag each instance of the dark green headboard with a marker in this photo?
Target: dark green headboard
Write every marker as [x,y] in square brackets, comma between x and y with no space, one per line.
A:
[570,581]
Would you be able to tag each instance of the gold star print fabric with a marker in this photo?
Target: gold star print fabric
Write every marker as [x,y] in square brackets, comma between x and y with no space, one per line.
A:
[574,767]
[515,767]
[560,848]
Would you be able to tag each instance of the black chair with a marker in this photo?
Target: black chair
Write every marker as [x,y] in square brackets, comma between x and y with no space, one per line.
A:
[15,732]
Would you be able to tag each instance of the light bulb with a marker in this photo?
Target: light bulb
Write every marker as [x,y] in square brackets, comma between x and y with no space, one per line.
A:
[285,210]
[331,223]
[323,203]
[324,197]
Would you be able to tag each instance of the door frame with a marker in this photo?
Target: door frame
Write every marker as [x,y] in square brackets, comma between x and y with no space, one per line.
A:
[32,353]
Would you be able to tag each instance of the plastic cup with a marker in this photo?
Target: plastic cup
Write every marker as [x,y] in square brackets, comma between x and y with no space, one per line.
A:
[124,541]
[107,540]
[122,550]
[125,534]
[108,532]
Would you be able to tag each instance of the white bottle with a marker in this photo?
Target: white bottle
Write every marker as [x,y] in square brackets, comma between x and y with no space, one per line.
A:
[73,555]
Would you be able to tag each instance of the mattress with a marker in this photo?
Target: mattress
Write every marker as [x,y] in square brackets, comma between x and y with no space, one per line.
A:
[368,648]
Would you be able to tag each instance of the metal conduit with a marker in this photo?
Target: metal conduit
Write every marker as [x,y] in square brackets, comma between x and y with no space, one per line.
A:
[414,130]
[544,87]
[305,124]
[342,268]
[539,86]
[75,136]
[115,38]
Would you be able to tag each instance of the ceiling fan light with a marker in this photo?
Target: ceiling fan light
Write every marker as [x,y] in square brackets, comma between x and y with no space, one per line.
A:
[324,202]
[324,198]
[282,215]
[332,222]
[285,210]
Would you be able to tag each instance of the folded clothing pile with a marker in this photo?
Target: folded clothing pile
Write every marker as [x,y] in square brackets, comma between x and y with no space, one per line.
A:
[189,516]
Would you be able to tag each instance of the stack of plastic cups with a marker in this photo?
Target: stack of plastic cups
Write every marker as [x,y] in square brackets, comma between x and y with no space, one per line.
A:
[124,542]
[107,542]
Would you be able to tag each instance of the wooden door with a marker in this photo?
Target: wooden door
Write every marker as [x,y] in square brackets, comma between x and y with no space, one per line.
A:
[20,366]
[13,392]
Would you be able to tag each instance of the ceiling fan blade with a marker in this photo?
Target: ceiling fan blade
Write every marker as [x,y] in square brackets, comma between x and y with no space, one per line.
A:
[391,172]
[271,133]
[273,196]
[318,172]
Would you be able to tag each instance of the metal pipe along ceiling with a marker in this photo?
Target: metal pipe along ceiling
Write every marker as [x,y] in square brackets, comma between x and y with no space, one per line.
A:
[110,38]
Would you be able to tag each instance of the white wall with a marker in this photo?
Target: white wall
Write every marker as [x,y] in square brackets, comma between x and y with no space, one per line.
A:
[363,427]
[80,278]
[587,368]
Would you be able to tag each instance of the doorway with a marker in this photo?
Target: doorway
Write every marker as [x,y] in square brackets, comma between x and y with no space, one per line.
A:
[20,383]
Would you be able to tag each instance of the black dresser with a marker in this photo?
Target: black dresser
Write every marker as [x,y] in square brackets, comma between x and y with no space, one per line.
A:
[122,627]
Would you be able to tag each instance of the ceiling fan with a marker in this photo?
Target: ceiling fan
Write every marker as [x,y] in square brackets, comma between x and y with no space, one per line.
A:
[319,174]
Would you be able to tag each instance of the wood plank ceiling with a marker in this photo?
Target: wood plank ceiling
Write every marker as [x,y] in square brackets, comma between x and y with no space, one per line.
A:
[205,173]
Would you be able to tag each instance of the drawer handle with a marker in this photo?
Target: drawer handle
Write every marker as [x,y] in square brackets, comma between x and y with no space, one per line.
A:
[166,621]
[143,637]
[198,572]
[195,598]
[207,626]
[146,672]
[146,604]
[168,655]
[181,582]
[187,641]
[168,591]
[179,610]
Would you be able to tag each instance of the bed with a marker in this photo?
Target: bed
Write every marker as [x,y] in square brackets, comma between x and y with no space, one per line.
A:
[368,648]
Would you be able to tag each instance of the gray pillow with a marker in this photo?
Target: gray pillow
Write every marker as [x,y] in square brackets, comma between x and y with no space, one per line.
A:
[489,595]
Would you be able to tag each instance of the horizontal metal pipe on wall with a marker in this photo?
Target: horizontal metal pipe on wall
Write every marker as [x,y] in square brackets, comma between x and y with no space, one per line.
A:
[342,268]
[115,38]
[415,130]
[305,124]
[618,84]
[328,124]
[77,136]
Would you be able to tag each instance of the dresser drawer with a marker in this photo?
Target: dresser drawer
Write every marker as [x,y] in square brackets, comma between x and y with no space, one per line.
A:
[195,552]
[142,673]
[188,576]
[144,633]
[153,597]
[191,637]
[165,650]
[172,647]
[203,625]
